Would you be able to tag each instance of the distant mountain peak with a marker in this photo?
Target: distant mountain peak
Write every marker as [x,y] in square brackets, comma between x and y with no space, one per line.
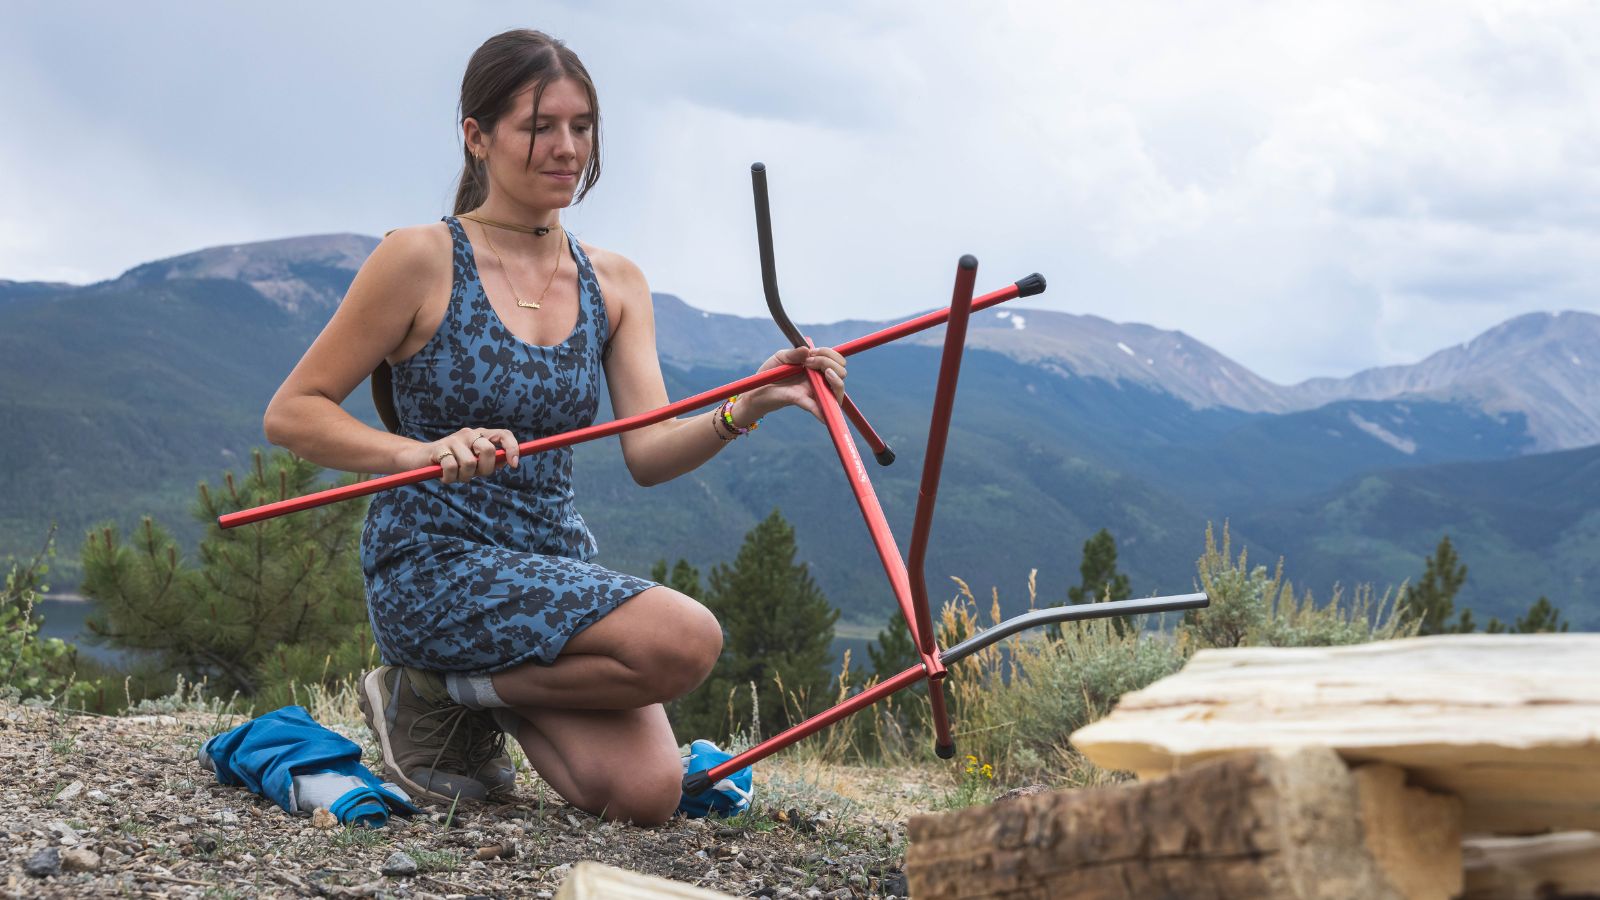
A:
[1543,364]
[298,274]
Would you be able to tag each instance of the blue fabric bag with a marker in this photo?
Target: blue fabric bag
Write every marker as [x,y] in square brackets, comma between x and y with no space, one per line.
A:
[266,753]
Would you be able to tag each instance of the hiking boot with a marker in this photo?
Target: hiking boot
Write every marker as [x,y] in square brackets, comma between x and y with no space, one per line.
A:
[487,761]
[431,745]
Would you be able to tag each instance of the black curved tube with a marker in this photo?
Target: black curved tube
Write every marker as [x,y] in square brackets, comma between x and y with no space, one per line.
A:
[769,265]
[1072,613]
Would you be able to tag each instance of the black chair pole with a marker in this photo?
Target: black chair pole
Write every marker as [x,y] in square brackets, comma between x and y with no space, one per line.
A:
[769,283]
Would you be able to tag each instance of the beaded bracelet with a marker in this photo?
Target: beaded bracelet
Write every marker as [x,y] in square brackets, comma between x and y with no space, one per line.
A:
[716,428]
[725,412]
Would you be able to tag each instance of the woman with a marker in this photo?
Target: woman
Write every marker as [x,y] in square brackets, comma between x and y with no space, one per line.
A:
[493,326]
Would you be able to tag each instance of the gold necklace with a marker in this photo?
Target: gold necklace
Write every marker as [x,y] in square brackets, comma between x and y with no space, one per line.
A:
[536,230]
[507,272]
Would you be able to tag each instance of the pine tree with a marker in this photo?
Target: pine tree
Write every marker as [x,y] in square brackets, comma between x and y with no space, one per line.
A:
[1542,617]
[778,628]
[1431,601]
[894,651]
[684,578]
[1101,580]
[267,604]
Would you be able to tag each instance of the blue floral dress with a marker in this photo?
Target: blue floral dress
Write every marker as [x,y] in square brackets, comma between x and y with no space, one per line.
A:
[486,575]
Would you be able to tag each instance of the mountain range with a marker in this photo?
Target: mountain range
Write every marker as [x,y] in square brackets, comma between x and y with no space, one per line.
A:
[117,397]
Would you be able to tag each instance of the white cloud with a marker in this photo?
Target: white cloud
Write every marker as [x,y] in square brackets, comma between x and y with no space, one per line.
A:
[1309,187]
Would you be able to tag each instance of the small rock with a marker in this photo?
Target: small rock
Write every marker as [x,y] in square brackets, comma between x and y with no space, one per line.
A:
[97,796]
[321,818]
[559,873]
[80,859]
[894,884]
[1027,791]
[187,820]
[228,817]
[399,865]
[66,833]
[70,791]
[205,843]
[44,864]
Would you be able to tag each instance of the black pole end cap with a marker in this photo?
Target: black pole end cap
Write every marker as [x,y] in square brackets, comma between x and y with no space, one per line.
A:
[968,261]
[885,456]
[696,783]
[758,167]
[1033,284]
[945,751]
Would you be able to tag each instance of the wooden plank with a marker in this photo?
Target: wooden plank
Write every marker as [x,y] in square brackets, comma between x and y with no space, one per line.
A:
[590,880]
[1295,825]
[1508,723]
[1543,867]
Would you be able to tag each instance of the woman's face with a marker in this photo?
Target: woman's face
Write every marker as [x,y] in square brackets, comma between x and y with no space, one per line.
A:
[563,138]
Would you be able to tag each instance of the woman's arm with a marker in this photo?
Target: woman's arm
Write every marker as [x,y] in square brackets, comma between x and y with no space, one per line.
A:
[665,450]
[375,319]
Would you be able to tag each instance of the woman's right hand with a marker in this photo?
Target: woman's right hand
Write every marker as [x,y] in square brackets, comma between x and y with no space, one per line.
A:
[464,455]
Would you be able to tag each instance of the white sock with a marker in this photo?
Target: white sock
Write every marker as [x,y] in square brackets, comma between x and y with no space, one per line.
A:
[473,691]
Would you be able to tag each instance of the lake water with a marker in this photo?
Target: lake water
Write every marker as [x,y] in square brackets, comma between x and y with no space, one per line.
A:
[64,618]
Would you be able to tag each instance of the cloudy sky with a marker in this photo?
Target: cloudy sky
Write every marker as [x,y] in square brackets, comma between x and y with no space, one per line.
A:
[1310,187]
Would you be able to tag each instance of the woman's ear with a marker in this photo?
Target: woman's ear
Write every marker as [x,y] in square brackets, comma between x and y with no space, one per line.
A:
[474,137]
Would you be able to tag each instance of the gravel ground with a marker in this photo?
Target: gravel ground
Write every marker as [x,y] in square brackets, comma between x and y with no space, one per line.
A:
[97,806]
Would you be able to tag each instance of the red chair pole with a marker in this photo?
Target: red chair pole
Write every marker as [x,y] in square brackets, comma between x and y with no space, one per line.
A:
[880,449]
[1033,284]
[877,525]
[955,339]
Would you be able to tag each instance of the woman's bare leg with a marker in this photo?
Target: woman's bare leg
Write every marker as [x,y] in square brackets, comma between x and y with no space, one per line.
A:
[655,647]
[622,764]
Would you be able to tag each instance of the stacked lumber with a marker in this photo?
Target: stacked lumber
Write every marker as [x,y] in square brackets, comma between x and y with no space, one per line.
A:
[590,880]
[1296,824]
[1446,766]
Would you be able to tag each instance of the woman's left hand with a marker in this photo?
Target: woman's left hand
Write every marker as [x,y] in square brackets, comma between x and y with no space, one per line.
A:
[796,390]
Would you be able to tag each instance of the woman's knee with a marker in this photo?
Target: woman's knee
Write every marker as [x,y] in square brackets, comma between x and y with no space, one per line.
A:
[647,795]
[677,653]
[667,640]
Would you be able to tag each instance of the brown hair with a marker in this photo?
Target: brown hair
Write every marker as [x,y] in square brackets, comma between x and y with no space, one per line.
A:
[498,70]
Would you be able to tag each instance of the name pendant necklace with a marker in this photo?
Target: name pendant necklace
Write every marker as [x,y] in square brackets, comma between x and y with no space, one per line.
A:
[537,231]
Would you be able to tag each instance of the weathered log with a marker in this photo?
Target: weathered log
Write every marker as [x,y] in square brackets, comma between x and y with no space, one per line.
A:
[593,881]
[1508,723]
[1293,825]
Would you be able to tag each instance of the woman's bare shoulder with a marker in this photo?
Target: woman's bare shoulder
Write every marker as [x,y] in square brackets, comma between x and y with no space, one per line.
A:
[613,267]
[416,249]
[621,281]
